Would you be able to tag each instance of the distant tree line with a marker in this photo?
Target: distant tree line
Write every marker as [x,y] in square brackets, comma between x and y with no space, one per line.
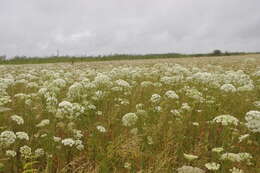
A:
[72,59]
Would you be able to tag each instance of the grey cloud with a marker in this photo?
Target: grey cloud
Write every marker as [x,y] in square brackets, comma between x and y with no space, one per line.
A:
[30,27]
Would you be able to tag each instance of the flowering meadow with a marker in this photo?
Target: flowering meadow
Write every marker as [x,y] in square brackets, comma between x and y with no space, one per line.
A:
[151,116]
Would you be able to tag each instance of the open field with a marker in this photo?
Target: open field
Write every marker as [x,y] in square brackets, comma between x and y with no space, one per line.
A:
[183,115]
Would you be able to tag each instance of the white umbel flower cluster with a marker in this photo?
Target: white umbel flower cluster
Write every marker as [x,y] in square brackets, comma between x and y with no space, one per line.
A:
[155,98]
[69,110]
[171,95]
[22,135]
[39,152]
[236,170]
[129,119]
[253,121]
[10,153]
[101,129]
[190,169]
[239,157]
[190,156]
[68,142]
[43,123]
[18,119]
[217,149]
[226,120]
[7,138]
[25,151]
[212,166]
[122,83]
[228,88]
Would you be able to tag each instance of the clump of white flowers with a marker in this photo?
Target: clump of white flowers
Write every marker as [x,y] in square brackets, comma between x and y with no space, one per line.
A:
[150,140]
[253,121]
[7,138]
[10,153]
[127,165]
[18,119]
[122,83]
[25,151]
[171,95]
[212,166]
[22,135]
[190,157]
[236,170]
[239,157]
[68,142]
[194,94]
[39,152]
[69,110]
[190,169]
[43,123]
[243,137]
[56,139]
[129,119]
[217,149]
[101,129]
[75,90]
[226,120]
[155,98]
[228,88]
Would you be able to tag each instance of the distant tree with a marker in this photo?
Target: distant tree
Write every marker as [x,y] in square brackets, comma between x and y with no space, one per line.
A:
[217,52]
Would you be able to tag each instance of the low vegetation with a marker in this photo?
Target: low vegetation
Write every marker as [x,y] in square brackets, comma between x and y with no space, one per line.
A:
[194,116]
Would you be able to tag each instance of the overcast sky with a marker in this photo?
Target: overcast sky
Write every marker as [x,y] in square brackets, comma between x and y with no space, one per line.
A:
[92,27]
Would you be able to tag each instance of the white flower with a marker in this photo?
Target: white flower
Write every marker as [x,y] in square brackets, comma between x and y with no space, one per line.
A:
[122,83]
[22,135]
[129,119]
[194,94]
[10,153]
[155,98]
[171,95]
[157,108]
[139,106]
[7,138]
[150,140]
[77,134]
[19,120]
[190,169]
[243,137]
[236,157]
[146,84]
[228,88]
[134,131]
[68,142]
[217,149]
[56,139]
[101,129]
[190,157]
[39,152]
[43,123]
[75,90]
[25,151]
[212,166]
[236,170]
[253,121]
[127,165]
[185,107]
[80,147]
[99,113]
[226,120]
[176,112]
[195,124]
